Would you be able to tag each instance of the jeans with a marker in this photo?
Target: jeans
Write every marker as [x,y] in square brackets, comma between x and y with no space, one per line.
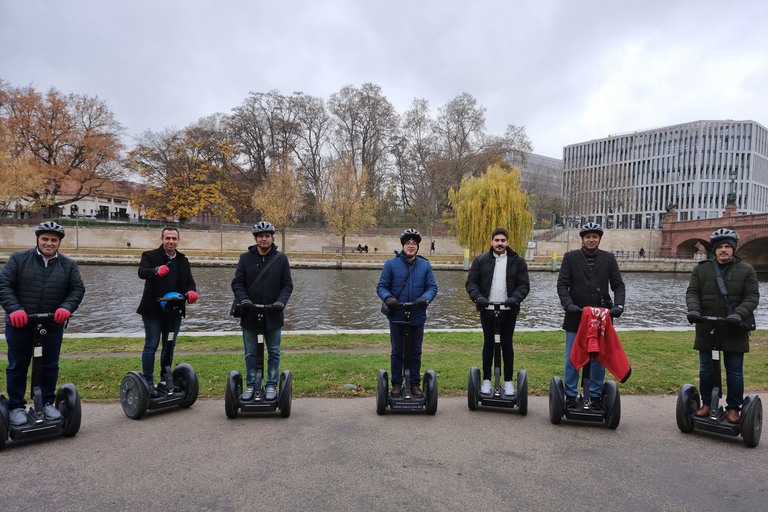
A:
[508,322]
[396,332]
[734,378]
[250,342]
[20,351]
[153,329]
[571,375]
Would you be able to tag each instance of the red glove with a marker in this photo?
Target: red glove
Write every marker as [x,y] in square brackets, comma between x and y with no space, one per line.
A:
[61,315]
[191,297]
[162,270]
[18,318]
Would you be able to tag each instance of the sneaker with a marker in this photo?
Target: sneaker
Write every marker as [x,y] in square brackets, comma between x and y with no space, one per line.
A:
[509,389]
[248,395]
[485,388]
[596,403]
[18,417]
[571,402]
[271,393]
[162,388]
[396,390]
[416,391]
[51,413]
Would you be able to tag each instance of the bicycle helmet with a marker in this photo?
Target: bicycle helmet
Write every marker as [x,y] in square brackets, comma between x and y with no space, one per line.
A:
[591,227]
[410,234]
[49,227]
[263,227]
[722,236]
[170,295]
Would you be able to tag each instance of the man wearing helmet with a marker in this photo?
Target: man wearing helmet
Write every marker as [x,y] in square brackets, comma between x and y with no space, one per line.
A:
[407,278]
[163,270]
[22,279]
[584,279]
[263,276]
[704,298]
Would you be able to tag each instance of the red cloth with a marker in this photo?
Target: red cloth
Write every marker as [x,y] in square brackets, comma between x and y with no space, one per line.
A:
[597,338]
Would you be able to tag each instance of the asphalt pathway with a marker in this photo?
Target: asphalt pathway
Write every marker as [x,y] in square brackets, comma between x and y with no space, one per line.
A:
[338,454]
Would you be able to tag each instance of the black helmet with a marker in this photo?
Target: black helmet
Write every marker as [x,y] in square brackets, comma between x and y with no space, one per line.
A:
[591,227]
[410,234]
[49,227]
[263,227]
[724,235]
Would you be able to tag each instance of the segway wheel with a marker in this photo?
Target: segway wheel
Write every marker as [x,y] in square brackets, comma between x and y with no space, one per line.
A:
[752,423]
[382,388]
[68,403]
[232,394]
[134,396]
[4,422]
[286,393]
[522,392]
[430,381]
[687,402]
[184,377]
[473,388]
[612,404]
[555,403]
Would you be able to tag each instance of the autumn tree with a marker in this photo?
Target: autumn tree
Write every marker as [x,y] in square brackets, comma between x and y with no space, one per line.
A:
[347,208]
[279,198]
[16,177]
[312,136]
[64,138]
[486,202]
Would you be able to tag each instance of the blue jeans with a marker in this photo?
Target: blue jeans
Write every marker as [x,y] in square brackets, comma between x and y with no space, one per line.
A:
[250,342]
[508,322]
[20,351]
[396,331]
[153,329]
[734,378]
[596,372]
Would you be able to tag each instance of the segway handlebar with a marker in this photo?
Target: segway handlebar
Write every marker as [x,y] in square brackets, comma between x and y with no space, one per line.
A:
[33,317]
[492,306]
[173,300]
[263,306]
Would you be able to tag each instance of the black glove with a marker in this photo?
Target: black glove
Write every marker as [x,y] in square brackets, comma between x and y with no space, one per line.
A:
[511,302]
[734,320]
[481,303]
[278,306]
[391,302]
[616,311]
[246,306]
[421,302]
[694,317]
[573,309]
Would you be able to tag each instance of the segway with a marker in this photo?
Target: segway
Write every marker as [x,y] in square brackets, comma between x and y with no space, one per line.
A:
[610,415]
[233,401]
[177,387]
[688,401]
[406,400]
[496,396]
[67,399]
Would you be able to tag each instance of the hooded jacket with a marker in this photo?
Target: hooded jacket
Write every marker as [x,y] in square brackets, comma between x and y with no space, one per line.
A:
[156,286]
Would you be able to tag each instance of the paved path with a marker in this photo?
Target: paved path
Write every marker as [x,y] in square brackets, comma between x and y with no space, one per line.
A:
[337,454]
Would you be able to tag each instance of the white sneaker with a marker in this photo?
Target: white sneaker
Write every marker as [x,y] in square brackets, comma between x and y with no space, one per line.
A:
[509,389]
[485,388]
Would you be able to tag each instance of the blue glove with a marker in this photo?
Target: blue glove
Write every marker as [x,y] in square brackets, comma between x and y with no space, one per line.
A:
[573,309]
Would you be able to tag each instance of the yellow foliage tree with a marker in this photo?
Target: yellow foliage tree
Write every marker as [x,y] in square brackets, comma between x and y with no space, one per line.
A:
[279,197]
[347,209]
[492,200]
[17,178]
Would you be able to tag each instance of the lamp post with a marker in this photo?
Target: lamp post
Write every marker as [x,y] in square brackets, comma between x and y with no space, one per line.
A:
[75,208]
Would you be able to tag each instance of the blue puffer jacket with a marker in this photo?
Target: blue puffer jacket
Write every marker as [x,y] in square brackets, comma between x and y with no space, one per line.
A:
[421,283]
[26,283]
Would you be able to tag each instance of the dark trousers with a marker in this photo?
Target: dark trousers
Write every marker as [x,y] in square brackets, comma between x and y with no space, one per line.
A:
[734,377]
[396,332]
[508,322]
[20,351]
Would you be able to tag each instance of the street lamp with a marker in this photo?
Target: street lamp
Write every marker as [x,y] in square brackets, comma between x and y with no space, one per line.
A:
[74,208]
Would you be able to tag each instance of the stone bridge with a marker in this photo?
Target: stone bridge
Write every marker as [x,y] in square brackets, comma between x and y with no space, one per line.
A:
[692,236]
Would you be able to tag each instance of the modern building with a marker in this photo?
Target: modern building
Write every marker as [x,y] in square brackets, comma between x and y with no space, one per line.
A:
[540,174]
[630,180]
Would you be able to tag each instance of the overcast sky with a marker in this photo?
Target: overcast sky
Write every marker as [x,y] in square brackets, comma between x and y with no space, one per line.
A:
[569,70]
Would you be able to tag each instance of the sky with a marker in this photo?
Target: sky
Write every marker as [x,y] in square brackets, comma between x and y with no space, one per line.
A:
[570,71]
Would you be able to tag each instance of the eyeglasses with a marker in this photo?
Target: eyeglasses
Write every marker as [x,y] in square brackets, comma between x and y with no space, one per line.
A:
[411,243]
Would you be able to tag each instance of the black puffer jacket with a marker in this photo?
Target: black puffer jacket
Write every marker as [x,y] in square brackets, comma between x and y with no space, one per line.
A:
[26,283]
[156,286]
[481,276]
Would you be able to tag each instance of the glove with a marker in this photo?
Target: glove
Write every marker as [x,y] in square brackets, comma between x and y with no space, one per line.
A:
[162,270]
[421,302]
[616,311]
[246,306]
[573,309]
[694,317]
[511,302]
[18,318]
[278,306]
[734,320]
[191,297]
[61,315]
[391,302]
[481,303]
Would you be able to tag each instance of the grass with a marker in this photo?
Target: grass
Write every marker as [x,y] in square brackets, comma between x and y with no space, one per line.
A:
[661,362]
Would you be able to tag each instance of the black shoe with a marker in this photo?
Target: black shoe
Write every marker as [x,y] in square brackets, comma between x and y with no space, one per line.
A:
[162,388]
[396,390]
[571,402]
[596,403]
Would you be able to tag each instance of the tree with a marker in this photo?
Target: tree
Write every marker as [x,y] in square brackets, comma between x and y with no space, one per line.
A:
[70,137]
[279,197]
[347,208]
[492,200]
[16,177]
[312,138]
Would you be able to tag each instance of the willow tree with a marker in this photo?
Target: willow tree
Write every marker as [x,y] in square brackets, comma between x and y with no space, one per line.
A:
[492,200]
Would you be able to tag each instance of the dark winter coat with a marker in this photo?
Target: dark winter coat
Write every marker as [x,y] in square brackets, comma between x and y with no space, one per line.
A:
[703,295]
[577,285]
[26,283]
[421,283]
[156,286]
[275,285]
[481,276]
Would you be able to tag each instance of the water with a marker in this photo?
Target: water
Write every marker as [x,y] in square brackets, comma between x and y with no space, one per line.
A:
[346,299]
